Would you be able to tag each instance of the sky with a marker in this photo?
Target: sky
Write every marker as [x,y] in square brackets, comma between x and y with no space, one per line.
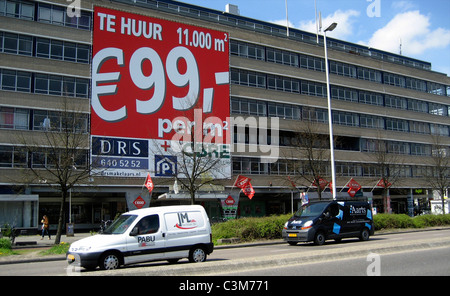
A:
[422,27]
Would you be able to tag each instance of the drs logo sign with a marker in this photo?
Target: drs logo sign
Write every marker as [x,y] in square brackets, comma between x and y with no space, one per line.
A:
[148,71]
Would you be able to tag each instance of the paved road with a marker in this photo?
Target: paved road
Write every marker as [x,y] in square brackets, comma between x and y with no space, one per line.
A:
[283,259]
[432,262]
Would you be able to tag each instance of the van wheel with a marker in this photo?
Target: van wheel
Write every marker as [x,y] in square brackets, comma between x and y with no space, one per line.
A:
[197,254]
[319,239]
[364,236]
[109,261]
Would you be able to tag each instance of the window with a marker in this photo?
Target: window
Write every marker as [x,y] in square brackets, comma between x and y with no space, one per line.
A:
[61,50]
[250,107]
[416,84]
[314,89]
[315,114]
[438,129]
[394,79]
[54,14]
[419,127]
[438,109]
[60,85]
[247,50]
[312,63]
[368,121]
[16,44]
[17,9]
[398,147]
[437,89]
[342,69]
[284,111]
[148,225]
[248,78]
[418,106]
[345,118]
[370,98]
[14,118]
[283,84]
[396,102]
[15,80]
[420,149]
[396,125]
[282,57]
[345,94]
[369,74]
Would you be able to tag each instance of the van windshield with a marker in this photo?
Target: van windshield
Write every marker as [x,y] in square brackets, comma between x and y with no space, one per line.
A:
[120,225]
[311,210]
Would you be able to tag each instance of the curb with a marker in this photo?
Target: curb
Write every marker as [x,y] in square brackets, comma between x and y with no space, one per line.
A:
[49,258]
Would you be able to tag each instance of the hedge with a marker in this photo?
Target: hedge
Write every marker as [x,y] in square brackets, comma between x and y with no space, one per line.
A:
[388,221]
[250,229]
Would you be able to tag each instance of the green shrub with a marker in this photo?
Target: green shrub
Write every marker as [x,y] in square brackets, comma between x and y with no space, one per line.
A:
[62,248]
[388,221]
[5,243]
[249,229]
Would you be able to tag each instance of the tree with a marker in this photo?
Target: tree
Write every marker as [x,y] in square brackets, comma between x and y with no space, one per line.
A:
[387,165]
[199,146]
[438,176]
[58,154]
[312,149]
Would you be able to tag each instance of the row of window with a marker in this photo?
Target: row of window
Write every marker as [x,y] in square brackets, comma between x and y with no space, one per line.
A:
[298,139]
[288,111]
[283,57]
[286,84]
[253,166]
[30,82]
[43,120]
[45,13]
[44,48]
[19,157]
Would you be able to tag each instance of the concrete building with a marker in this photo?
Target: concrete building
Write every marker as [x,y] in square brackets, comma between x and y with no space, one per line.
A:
[377,97]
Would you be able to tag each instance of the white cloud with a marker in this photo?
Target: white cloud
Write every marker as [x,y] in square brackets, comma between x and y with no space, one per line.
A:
[345,20]
[414,31]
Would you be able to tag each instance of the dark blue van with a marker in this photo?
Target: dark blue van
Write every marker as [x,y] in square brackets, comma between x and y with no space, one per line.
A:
[323,220]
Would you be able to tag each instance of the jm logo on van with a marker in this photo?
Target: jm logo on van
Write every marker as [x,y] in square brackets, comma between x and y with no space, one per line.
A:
[184,222]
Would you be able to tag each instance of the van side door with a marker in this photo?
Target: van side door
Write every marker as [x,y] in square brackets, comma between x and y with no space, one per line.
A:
[184,230]
[146,241]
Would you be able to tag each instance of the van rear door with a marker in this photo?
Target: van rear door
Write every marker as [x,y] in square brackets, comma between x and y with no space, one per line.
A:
[146,241]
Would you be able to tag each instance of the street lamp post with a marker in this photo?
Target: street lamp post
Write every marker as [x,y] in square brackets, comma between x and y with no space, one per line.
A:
[330,117]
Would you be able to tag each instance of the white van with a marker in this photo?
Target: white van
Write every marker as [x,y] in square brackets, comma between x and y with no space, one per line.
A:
[160,233]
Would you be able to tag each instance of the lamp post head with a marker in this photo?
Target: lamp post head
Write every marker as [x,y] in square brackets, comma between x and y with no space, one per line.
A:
[331,27]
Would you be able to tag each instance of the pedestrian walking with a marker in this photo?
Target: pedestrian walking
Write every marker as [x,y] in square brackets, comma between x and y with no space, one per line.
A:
[45,227]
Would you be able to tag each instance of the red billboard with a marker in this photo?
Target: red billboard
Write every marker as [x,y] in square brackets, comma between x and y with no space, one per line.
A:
[152,79]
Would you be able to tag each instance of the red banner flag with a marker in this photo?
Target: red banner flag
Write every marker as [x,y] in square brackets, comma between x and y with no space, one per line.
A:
[149,183]
[384,184]
[248,190]
[241,182]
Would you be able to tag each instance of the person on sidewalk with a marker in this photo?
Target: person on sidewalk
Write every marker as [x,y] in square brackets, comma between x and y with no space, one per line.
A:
[45,227]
